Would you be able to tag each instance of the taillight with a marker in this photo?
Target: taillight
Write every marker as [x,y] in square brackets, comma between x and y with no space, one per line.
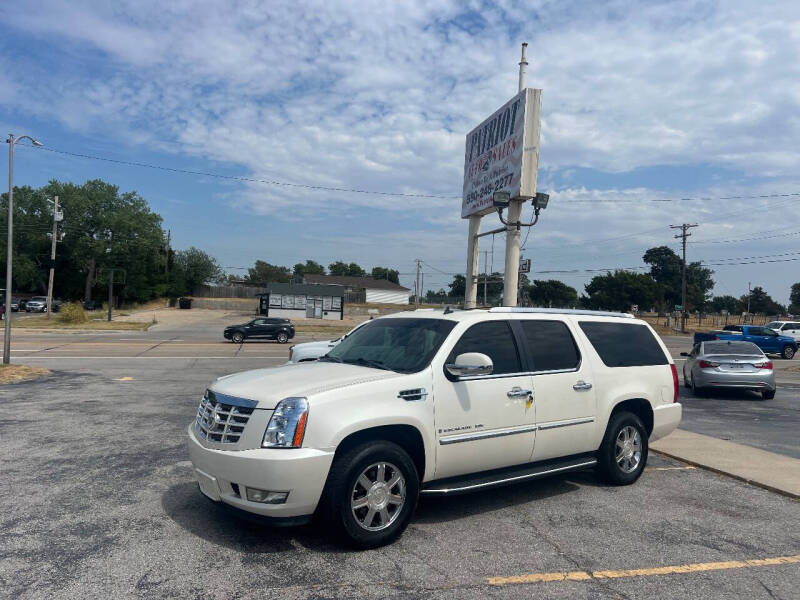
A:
[705,364]
[765,365]
[675,387]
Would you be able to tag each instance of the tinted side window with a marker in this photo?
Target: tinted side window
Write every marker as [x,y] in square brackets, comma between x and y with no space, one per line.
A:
[495,340]
[550,345]
[624,344]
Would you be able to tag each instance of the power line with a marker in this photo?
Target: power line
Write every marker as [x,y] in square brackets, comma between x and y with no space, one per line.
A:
[394,194]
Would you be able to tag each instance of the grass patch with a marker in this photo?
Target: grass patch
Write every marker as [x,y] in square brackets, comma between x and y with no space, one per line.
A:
[97,325]
[18,373]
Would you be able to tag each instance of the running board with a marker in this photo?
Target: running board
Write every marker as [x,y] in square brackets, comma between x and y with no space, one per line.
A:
[506,476]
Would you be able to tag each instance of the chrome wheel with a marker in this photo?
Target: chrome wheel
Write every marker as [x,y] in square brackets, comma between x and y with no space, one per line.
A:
[628,452]
[378,496]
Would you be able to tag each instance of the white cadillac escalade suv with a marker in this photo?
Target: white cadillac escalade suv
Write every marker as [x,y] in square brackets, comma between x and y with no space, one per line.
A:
[438,403]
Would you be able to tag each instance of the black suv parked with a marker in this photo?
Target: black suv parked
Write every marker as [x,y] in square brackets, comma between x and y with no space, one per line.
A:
[281,330]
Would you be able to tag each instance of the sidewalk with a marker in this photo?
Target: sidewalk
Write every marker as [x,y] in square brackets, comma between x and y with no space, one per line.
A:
[768,470]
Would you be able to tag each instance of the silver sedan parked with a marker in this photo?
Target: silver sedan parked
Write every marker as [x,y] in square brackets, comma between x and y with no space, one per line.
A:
[728,364]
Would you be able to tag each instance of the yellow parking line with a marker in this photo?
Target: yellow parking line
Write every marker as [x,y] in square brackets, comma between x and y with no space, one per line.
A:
[669,570]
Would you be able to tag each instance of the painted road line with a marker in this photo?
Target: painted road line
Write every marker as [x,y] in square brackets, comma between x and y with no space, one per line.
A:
[687,468]
[156,357]
[669,570]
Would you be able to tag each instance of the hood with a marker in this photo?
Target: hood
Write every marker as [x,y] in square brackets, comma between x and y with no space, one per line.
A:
[310,345]
[270,386]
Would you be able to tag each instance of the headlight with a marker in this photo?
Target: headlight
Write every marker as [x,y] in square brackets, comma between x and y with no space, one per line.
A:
[287,426]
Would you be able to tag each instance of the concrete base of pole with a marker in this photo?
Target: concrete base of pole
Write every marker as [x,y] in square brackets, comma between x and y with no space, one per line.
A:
[473,246]
[511,278]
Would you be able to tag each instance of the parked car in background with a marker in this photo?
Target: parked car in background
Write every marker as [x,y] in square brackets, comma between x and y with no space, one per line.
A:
[788,328]
[92,304]
[434,403]
[269,328]
[14,305]
[728,364]
[763,337]
[39,304]
[308,351]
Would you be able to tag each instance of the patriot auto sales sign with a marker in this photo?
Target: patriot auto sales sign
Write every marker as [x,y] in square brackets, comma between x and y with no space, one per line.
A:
[503,154]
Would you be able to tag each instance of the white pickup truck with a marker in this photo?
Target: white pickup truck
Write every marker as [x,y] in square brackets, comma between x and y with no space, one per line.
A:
[433,402]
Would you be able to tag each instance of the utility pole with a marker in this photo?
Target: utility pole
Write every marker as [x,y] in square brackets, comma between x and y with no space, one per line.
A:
[485,273]
[110,291]
[52,258]
[166,263]
[417,282]
[747,317]
[683,235]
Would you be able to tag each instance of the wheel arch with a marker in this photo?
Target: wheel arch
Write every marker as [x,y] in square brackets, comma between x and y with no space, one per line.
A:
[638,406]
[408,437]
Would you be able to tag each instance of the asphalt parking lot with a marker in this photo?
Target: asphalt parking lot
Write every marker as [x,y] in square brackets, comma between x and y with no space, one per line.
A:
[100,501]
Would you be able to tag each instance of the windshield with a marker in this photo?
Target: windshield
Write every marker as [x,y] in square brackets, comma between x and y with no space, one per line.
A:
[406,345]
[731,348]
[774,325]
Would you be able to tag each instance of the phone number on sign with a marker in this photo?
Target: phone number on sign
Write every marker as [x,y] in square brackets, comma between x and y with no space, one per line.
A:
[490,188]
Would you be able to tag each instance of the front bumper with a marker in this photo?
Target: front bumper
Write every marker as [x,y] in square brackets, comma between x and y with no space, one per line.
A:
[666,419]
[300,471]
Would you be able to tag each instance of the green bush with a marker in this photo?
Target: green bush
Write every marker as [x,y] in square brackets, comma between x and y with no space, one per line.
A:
[72,312]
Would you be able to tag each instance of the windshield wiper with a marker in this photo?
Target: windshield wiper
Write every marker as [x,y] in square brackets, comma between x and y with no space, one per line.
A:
[327,358]
[375,364]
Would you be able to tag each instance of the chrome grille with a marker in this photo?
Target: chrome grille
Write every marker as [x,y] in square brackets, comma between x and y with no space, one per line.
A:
[221,418]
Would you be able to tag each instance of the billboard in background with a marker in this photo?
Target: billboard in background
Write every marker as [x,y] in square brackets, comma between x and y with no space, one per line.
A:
[502,154]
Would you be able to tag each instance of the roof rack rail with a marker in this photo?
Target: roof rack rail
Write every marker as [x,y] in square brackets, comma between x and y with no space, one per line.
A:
[561,311]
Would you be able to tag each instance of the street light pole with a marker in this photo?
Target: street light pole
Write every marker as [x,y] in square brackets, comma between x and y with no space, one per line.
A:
[11,141]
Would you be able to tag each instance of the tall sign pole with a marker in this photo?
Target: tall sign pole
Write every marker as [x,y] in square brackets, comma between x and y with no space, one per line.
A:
[9,251]
[501,160]
[511,277]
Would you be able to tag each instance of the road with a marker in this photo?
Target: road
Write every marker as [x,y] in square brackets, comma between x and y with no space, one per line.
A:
[100,501]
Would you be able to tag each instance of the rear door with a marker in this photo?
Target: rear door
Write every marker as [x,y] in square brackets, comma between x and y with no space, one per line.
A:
[484,422]
[563,389]
[792,330]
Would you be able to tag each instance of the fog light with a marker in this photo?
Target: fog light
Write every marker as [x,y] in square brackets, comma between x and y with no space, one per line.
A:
[266,497]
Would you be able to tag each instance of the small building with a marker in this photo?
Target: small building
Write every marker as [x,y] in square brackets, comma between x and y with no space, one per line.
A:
[302,301]
[373,291]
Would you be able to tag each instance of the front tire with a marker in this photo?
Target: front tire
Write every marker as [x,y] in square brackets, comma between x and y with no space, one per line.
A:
[237,338]
[623,453]
[282,338]
[788,352]
[371,494]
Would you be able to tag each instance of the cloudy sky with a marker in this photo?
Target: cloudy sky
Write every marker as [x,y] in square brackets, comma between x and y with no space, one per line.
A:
[644,103]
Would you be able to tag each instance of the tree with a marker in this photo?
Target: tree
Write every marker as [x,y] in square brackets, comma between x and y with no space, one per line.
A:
[386,273]
[458,286]
[620,290]
[309,268]
[552,293]
[665,269]
[191,268]
[794,299]
[720,303]
[342,269]
[264,272]
[760,302]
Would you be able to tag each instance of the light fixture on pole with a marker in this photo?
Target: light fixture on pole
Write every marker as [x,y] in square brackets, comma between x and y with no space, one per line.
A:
[11,141]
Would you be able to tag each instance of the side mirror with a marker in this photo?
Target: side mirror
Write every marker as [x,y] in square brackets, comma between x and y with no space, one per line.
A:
[470,364]
[684,354]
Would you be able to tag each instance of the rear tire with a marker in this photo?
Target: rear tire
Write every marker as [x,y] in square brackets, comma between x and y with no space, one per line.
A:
[282,338]
[788,352]
[370,494]
[696,391]
[623,453]
[767,394]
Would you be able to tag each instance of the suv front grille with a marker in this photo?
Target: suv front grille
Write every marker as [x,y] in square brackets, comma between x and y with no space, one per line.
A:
[221,422]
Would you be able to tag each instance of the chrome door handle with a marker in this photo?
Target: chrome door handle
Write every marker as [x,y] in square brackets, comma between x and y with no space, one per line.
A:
[518,392]
[582,385]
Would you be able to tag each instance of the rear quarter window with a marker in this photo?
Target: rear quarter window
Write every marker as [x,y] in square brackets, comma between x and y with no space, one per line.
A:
[624,344]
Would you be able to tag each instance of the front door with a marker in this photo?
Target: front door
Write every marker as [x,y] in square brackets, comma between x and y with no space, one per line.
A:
[563,390]
[484,422]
